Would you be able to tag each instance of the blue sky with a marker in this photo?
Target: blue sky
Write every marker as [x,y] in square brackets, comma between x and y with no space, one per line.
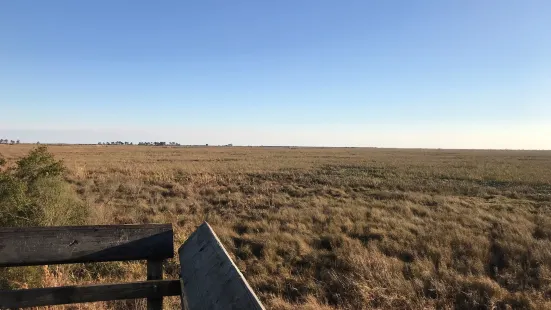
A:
[457,74]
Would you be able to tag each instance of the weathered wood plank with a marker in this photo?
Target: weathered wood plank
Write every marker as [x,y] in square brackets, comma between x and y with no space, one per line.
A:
[154,272]
[210,278]
[78,244]
[90,293]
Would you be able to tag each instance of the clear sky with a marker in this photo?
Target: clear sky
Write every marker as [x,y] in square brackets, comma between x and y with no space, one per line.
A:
[450,74]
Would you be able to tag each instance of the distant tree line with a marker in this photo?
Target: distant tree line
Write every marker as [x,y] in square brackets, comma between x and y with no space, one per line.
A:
[161,143]
[115,143]
[140,143]
[6,141]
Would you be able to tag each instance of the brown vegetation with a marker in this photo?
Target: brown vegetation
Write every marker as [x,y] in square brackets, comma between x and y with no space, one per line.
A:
[327,228]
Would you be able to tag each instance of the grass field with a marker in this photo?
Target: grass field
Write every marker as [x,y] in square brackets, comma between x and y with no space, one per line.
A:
[334,228]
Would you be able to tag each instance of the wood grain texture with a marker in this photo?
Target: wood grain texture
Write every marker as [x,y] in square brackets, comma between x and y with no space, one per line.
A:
[90,293]
[78,244]
[210,278]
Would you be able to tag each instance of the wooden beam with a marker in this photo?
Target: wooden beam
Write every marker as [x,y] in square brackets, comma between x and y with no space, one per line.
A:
[90,293]
[211,280]
[81,244]
[154,272]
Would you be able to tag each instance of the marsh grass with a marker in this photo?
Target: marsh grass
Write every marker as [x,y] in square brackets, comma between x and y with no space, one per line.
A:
[322,228]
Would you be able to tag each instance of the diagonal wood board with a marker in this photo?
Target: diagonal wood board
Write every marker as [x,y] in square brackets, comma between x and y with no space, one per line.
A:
[210,278]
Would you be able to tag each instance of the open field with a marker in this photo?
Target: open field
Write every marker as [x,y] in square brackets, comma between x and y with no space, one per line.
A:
[324,228]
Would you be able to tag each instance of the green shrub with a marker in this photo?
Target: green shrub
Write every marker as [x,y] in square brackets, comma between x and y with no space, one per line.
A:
[34,193]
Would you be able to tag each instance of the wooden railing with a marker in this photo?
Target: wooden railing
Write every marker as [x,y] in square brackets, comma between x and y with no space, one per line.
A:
[86,244]
[209,278]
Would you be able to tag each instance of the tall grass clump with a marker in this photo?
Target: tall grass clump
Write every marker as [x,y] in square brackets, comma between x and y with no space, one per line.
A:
[33,192]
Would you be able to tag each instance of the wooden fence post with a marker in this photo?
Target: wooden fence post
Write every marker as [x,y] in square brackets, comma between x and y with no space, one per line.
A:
[155,272]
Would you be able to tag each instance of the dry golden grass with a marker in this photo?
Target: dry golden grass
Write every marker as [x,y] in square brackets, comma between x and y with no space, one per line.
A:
[323,228]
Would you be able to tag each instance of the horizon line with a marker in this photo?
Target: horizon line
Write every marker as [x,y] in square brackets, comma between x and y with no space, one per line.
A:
[272,146]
